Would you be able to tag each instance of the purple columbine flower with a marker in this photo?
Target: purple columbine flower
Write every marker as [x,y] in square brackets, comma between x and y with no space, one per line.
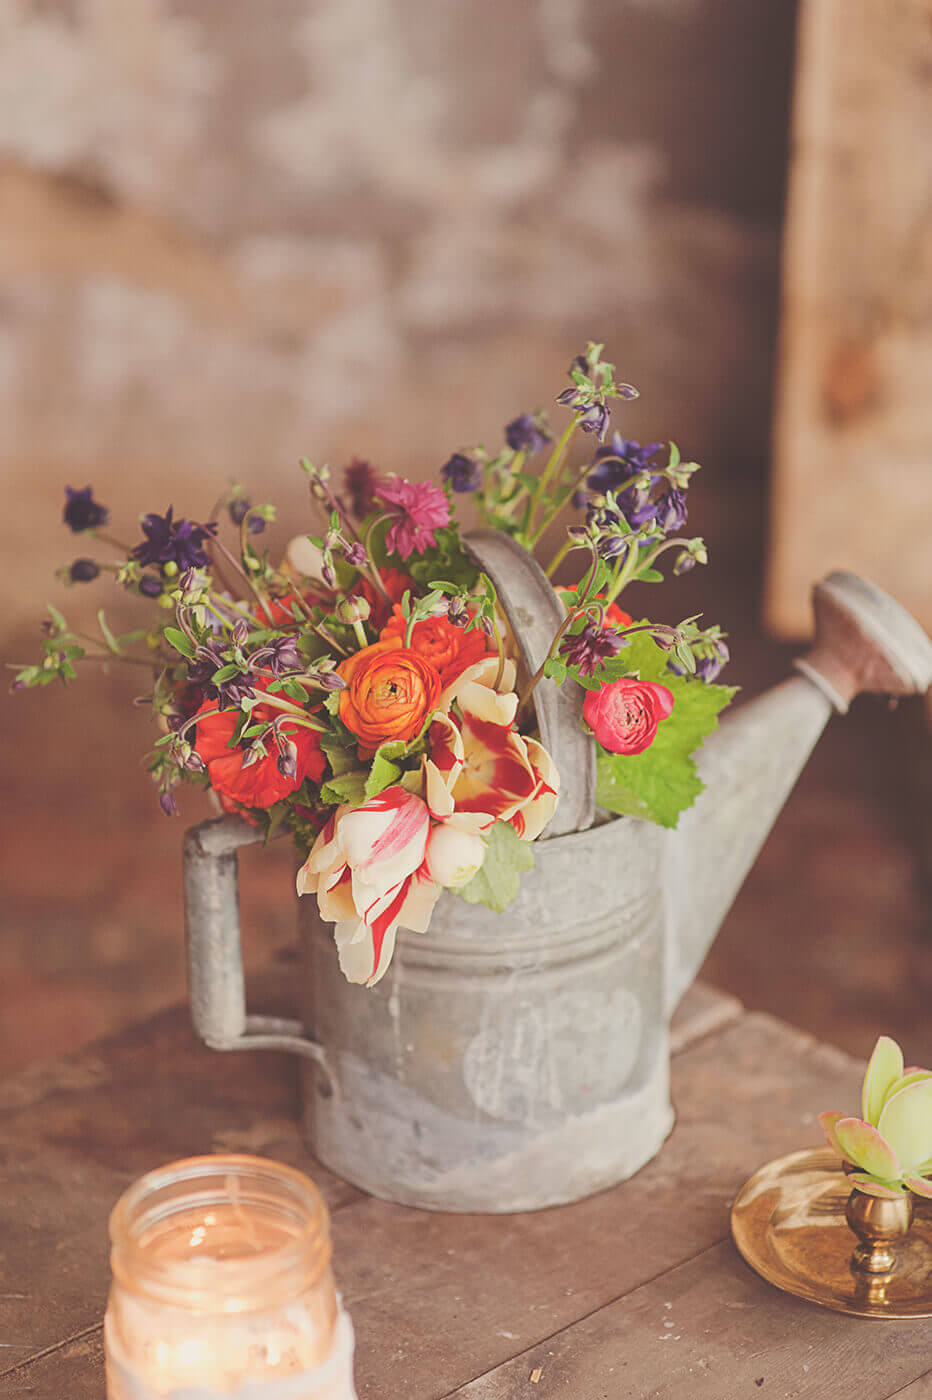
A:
[171,541]
[717,656]
[82,512]
[150,586]
[594,419]
[280,656]
[670,510]
[527,433]
[463,472]
[207,660]
[84,571]
[168,804]
[591,648]
[617,461]
[637,508]
[355,553]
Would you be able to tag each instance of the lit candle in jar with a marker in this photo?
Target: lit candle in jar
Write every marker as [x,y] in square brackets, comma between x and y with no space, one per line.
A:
[222,1287]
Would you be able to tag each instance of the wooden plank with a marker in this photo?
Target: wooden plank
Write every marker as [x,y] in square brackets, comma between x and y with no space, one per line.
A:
[702,1011]
[712,1329]
[74,1133]
[920,1389]
[438,1300]
[853,407]
[412,1279]
[74,1371]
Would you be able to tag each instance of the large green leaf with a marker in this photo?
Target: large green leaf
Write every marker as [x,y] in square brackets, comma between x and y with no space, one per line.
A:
[506,858]
[660,782]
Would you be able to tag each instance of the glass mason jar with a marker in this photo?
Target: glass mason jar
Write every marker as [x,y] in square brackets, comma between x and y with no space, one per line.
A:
[222,1287]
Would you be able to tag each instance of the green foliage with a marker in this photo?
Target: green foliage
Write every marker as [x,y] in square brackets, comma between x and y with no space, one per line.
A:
[384,770]
[347,788]
[660,782]
[507,857]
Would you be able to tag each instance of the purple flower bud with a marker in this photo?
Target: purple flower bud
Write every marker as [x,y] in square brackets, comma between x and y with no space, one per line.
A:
[328,573]
[240,631]
[256,524]
[627,391]
[355,553]
[612,546]
[487,627]
[168,804]
[253,754]
[463,472]
[238,508]
[671,510]
[709,666]
[19,685]
[569,397]
[84,571]
[82,512]
[457,611]
[194,763]
[329,680]
[594,419]
[527,433]
[675,668]
[684,562]
[287,761]
[577,532]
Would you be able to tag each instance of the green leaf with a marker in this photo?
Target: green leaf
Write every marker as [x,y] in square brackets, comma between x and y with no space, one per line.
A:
[295,690]
[226,673]
[179,641]
[332,702]
[660,782]
[348,787]
[496,883]
[555,669]
[112,643]
[57,618]
[341,758]
[648,576]
[384,771]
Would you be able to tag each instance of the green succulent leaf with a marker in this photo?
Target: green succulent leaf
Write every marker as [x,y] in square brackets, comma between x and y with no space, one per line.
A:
[507,857]
[906,1124]
[920,1185]
[868,1149]
[884,1068]
[886,1190]
[913,1076]
[663,780]
[828,1120]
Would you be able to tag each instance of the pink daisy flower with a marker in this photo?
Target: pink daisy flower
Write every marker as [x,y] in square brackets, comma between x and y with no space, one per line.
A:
[422,509]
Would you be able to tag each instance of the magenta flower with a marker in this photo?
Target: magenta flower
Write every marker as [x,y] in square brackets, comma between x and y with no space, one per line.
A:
[421,509]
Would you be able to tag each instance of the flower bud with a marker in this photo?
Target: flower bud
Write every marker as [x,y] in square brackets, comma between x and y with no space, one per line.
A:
[83,571]
[352,610]
[168,804]
[150,586]
[287,762]
[355,553]
[684,562]
[329,680]
[240,632]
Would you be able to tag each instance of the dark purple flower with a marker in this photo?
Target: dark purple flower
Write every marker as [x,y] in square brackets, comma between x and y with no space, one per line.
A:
[82,512]
[457,611]
[616,462]
[463,472]
[670,512]
[581,498]
[171,541]
[613,546]
[238,509]
[591,648]
[84,571]
[150,586]
[594,419]
[355,553]
[527,433]
[208,659]
[637,508]
[280,656]
[168,804]
[361,481]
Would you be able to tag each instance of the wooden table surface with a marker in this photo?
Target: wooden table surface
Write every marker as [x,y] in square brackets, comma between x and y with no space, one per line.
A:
[636,1292]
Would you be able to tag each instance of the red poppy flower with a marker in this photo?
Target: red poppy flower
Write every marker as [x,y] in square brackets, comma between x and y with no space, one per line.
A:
[261,784]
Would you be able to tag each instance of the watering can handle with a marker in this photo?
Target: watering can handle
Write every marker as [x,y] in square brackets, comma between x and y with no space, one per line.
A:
[216,985]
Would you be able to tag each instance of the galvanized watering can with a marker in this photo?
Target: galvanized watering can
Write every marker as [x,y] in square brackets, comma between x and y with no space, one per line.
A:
[512,1061]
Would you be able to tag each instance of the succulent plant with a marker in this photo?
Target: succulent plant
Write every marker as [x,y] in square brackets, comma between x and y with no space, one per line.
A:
[890,1146]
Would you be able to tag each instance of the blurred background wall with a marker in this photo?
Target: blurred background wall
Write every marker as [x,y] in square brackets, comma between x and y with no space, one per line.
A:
[234,233]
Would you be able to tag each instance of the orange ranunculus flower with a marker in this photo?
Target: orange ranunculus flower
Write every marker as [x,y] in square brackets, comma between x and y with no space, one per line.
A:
[389,692]
[449,649]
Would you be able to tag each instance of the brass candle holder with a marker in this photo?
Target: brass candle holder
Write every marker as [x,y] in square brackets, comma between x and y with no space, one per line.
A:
[802,1225]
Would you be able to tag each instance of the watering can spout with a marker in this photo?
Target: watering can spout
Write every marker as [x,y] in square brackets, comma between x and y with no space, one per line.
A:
[864,642]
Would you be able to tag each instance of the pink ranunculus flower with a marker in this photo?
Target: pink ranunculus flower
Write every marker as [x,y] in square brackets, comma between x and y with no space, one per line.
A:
[624,715]
[369,873]
[421,509]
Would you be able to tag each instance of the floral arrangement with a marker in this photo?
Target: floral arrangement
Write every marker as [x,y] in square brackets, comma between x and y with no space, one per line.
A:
[364,692]
[889,1148]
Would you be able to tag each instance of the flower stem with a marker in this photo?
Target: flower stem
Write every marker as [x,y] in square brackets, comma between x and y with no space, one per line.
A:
[571,615]
[374,574]
[558,558]
[556,458]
